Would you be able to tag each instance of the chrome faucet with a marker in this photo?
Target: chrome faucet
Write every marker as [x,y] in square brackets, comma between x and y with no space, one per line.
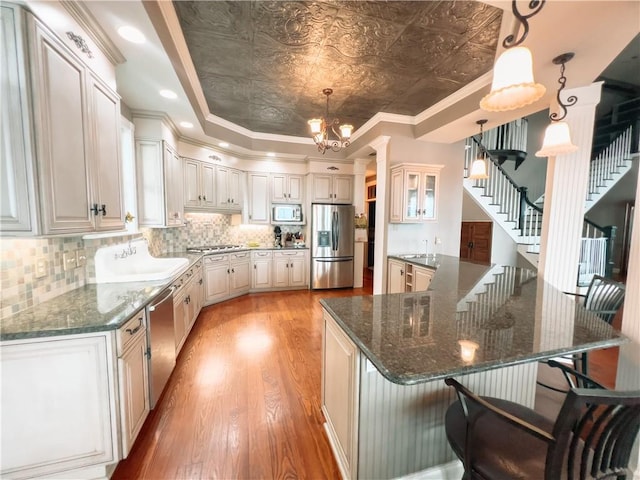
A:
[426,247]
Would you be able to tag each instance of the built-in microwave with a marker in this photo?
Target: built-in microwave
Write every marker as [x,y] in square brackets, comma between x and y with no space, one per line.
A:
[287,214]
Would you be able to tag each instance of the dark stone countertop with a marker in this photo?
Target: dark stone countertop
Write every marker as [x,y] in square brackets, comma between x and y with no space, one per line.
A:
[508,314]
[91,308]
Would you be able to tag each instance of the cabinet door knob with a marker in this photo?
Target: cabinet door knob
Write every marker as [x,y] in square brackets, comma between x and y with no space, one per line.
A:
[94,209]
[204,197]
[199,197]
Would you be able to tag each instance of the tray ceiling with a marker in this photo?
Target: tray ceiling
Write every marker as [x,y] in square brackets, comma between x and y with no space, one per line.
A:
[263,64]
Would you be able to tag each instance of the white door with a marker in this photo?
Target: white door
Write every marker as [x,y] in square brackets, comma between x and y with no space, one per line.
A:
[279,191]
[343,189]
[106,156]
[395,276]
[322,188]
[298,270]
[261,273]
[60,90]
[296,189]
[216,281]
[208,185]
[259,198]
[192,194]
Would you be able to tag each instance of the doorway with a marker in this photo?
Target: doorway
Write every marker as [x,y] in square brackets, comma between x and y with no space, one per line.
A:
[475,241]
[371,234]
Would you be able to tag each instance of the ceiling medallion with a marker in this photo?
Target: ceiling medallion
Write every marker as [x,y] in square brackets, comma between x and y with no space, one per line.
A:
[320,131]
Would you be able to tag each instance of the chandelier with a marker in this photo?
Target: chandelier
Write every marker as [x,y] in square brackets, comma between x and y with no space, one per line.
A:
[513,85]
[320,131]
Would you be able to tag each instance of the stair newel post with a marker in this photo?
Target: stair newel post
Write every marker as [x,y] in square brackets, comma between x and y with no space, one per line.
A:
[610,234]
[523,208]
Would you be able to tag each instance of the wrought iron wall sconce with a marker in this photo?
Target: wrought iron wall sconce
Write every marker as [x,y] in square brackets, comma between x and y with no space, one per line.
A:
[557,137]
[513,85]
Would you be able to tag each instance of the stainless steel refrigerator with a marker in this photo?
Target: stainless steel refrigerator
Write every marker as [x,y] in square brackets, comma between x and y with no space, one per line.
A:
[332,244]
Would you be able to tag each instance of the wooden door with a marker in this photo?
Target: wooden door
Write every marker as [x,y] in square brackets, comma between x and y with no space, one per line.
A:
[475,241]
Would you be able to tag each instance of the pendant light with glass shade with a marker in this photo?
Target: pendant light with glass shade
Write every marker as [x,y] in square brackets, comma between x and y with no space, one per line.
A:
[479,165]
[513,85]
[557,137]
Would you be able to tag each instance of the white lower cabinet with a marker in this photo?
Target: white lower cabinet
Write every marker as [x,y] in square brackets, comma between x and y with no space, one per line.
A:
[261,269]
[340,385]
[58,406]
[290,269]
[187,303]
[133,378]
[240,278]
[407,277]
[395,276]
[226,276]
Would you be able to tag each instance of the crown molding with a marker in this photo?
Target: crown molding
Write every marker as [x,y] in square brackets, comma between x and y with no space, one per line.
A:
[92,28]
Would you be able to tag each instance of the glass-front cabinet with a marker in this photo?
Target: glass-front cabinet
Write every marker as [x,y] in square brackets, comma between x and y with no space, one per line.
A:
[414,193]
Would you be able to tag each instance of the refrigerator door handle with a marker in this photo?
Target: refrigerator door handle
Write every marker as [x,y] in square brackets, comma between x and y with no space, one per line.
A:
[335,231]
[333,260]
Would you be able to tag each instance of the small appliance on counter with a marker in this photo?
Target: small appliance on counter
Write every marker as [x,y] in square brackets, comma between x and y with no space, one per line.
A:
[277,231]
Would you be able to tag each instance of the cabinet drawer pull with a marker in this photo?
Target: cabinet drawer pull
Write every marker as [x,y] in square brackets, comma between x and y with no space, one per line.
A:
[132,331]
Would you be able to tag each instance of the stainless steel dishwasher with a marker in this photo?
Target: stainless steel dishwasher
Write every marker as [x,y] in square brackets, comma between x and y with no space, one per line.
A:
[162,344]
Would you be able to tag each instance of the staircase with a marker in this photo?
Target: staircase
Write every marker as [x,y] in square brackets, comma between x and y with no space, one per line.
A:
[507,203]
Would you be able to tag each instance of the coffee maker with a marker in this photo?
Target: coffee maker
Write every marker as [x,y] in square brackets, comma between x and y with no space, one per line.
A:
[278,237]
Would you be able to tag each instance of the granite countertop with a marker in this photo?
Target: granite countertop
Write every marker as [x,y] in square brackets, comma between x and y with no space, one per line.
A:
[92,308]
[506,314]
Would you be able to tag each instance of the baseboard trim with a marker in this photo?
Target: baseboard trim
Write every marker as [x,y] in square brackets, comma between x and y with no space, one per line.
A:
[446,471]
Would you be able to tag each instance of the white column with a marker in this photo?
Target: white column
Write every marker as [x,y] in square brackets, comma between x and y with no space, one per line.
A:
[381,146]
[628,377]
[565,194]
[359,188]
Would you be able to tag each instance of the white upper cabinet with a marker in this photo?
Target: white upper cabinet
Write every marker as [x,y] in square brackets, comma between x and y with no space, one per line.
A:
[287,188]
[414,193]
[105,133]
[17,200]
[76,135]
[329,188]
[159,184]
[199,185]
[228,189]
[259,206]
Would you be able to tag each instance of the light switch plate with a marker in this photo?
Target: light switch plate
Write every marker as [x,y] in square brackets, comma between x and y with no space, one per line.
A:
[81,258]
[68,261]
[40,267]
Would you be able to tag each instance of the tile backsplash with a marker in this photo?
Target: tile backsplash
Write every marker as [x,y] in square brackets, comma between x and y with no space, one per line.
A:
[21,289]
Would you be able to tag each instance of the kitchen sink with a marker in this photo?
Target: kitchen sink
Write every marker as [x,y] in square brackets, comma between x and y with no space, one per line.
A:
[414,255]
[132,262]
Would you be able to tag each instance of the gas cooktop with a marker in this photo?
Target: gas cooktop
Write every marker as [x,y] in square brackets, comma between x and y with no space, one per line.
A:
[213,248]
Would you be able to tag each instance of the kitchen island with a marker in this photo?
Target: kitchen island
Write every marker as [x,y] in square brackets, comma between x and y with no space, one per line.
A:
[385,358]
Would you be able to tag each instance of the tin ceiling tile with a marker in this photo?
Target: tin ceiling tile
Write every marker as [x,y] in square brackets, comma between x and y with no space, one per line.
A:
[263,64]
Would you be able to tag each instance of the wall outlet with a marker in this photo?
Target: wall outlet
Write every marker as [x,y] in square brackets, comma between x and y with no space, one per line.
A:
[68,261]
[40,267]
[81,258]
[438,241]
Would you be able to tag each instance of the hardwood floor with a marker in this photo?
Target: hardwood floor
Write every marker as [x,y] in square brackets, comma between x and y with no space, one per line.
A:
[244,399]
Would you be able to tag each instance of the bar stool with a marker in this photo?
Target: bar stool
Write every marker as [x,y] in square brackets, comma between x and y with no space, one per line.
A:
[592,436]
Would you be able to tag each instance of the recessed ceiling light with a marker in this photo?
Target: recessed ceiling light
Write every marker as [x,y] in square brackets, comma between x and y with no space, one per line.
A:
[132,34]
[186,124]
[168,94]
[271,154]
[223,144]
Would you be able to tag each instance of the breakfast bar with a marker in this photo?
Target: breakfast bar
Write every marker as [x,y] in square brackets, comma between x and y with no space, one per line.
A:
[385,358]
